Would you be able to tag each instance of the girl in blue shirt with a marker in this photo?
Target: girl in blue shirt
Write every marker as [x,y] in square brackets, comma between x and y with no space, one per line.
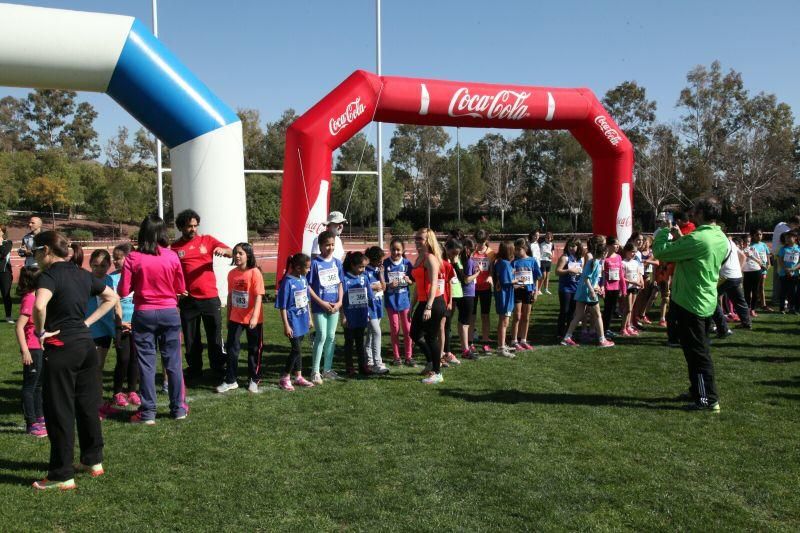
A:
[503,281]
[789,271]
[568,270]
[325,290]
[126,366]
[357,297]
[526,275]
[588,292]
[292,300]
[374,272]
[397,278]
[104,330]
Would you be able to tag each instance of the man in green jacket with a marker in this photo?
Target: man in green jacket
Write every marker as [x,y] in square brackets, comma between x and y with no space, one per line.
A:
[697,257]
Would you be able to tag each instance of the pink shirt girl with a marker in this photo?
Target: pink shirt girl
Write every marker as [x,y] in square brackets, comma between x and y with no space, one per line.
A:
[155,280]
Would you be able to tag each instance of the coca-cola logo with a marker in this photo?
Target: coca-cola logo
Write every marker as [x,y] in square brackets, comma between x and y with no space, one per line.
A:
[505,104]
[315,227]
[624,222]
[613,136]
[351,113]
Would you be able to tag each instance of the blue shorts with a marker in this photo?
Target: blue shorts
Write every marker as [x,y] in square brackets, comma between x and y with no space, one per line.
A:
[504,302]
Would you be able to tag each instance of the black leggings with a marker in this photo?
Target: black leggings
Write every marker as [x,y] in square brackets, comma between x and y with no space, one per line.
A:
[425,333]
[126,366]
[294,361]
[609,307]
[752,288]
[566,308]
[5,290]
[355,336]
[448,321]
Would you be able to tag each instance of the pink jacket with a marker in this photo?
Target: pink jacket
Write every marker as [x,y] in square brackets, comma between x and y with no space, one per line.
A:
[156,280]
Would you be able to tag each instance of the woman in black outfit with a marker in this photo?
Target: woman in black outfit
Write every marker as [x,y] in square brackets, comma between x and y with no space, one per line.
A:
[5,272]
[428,318]
[70,390]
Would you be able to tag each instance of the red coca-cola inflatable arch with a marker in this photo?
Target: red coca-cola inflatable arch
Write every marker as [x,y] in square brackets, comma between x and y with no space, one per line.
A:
[364,97]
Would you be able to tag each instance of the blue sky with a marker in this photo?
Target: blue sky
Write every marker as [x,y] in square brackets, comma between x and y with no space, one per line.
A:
[272,55]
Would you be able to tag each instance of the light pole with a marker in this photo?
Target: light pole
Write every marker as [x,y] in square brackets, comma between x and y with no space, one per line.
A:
[380,136]
[458,170]
[159,170]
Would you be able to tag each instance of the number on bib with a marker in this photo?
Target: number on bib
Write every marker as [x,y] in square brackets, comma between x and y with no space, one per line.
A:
[301,299]
[357,296]
[329,277]
[613,274]
[483,264]
[524,277]
[240,299]
[399,277]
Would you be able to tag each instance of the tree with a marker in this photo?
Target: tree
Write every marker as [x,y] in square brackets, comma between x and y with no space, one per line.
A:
[263,200]
[120,154]
[569,175]
[275,140]
[79,138]
[503,181]
[657,170]
[417,152]
[253,138]
[49,191]
[473,188]
[58,124]
[627,103]
[14,129]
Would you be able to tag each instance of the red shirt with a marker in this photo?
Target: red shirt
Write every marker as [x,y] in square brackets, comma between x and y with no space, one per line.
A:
[244,287]
[484,261]
[197,261]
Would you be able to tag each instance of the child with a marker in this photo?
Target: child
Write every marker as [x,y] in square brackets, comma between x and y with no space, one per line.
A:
[452,296]
[789,271]
[648,294]
[484,258]
[325,288]
[633,284]
[503,273]
[31,351]
[546,251]
[568,270]
[535,252]
[588,293]
[396,272]
[526,276]
[357,297]
[123,340]
[612,267]
[755,269]
[374,273]
[245,295]
[105,329]
[292,300]
[468,272]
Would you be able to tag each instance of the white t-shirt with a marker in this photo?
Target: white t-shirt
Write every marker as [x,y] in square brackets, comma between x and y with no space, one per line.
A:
[632,270]
[750,265]
[546,249]
[338,248]
[779,230]
[731,269]
[536,252]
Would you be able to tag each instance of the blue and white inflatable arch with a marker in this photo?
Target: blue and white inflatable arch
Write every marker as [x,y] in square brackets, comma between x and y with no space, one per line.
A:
[118,55]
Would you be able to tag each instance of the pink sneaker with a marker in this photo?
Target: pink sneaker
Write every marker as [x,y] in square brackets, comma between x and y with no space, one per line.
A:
[646,320]
[662,323]
[487,349]
[605,343]
[134,399]
[302,382]
[633,331]
[105,410]
[285,384]
[569,342]
[452,359]
[36,430]
[524,346]
[120,400]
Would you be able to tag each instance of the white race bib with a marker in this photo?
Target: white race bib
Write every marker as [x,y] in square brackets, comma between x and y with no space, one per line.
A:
[440,286]
[301,299]
[240,299]
[791,257]
[613,274]
[524,277]
[329,277]
[571,266]
[483,264]
[399,277]
[357,296]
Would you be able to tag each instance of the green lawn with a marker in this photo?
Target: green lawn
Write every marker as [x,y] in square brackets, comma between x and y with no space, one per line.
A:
[557,439]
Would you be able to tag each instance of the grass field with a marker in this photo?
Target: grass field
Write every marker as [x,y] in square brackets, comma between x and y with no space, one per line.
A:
[557,439]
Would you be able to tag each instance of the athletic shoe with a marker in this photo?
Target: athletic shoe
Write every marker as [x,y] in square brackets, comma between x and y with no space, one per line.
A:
[427,370]
[697,406]
[94,470]
[183,415]
[505,351]
[252,387]
[443,362]
[36,430]
[646,320]
[285,384]
[487,350]
[567,341]
[466,354]
[380,370]
[165,387]
[610,334]
[410,362]
[451,358]
[662,323]
[525,346]
[626,333]
[433,379]
[605,343]
[225,387]
[316,379]
[397,361]
[10,320]
[105,410]
[633,332]
[134,399]
[727,333]
[137,419]
[120,400]
[753,313]
[331,374]
[515,346]
[474,351]
[547,291]
[46,484]
[300,381]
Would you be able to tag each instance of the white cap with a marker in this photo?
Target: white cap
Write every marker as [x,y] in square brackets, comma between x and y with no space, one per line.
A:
[336,217]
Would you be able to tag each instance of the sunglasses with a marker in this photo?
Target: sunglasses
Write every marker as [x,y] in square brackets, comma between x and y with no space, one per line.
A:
[37,249]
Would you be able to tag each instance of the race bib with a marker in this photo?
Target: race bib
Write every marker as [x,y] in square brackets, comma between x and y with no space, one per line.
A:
[632,275]
[791,257]
[240,299]
[357,297]
[454,281]
[483,264]
[301,299]
[613,274]
[524,277]
[329,277]
[440,286]
[571,266]
[399,277]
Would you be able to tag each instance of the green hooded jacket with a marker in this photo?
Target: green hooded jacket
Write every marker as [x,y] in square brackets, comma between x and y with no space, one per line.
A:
[698,257]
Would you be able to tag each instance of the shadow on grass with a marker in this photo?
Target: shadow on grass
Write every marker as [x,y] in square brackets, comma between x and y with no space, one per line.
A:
[514,396]
[765,358]
[13,479]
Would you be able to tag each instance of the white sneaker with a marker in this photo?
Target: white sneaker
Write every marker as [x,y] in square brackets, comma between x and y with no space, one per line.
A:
[316,379]
[433,379]
[225,387]
[253,387]
[331,374]
[380,370]
[9,320]
[547,291]
[505,351]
